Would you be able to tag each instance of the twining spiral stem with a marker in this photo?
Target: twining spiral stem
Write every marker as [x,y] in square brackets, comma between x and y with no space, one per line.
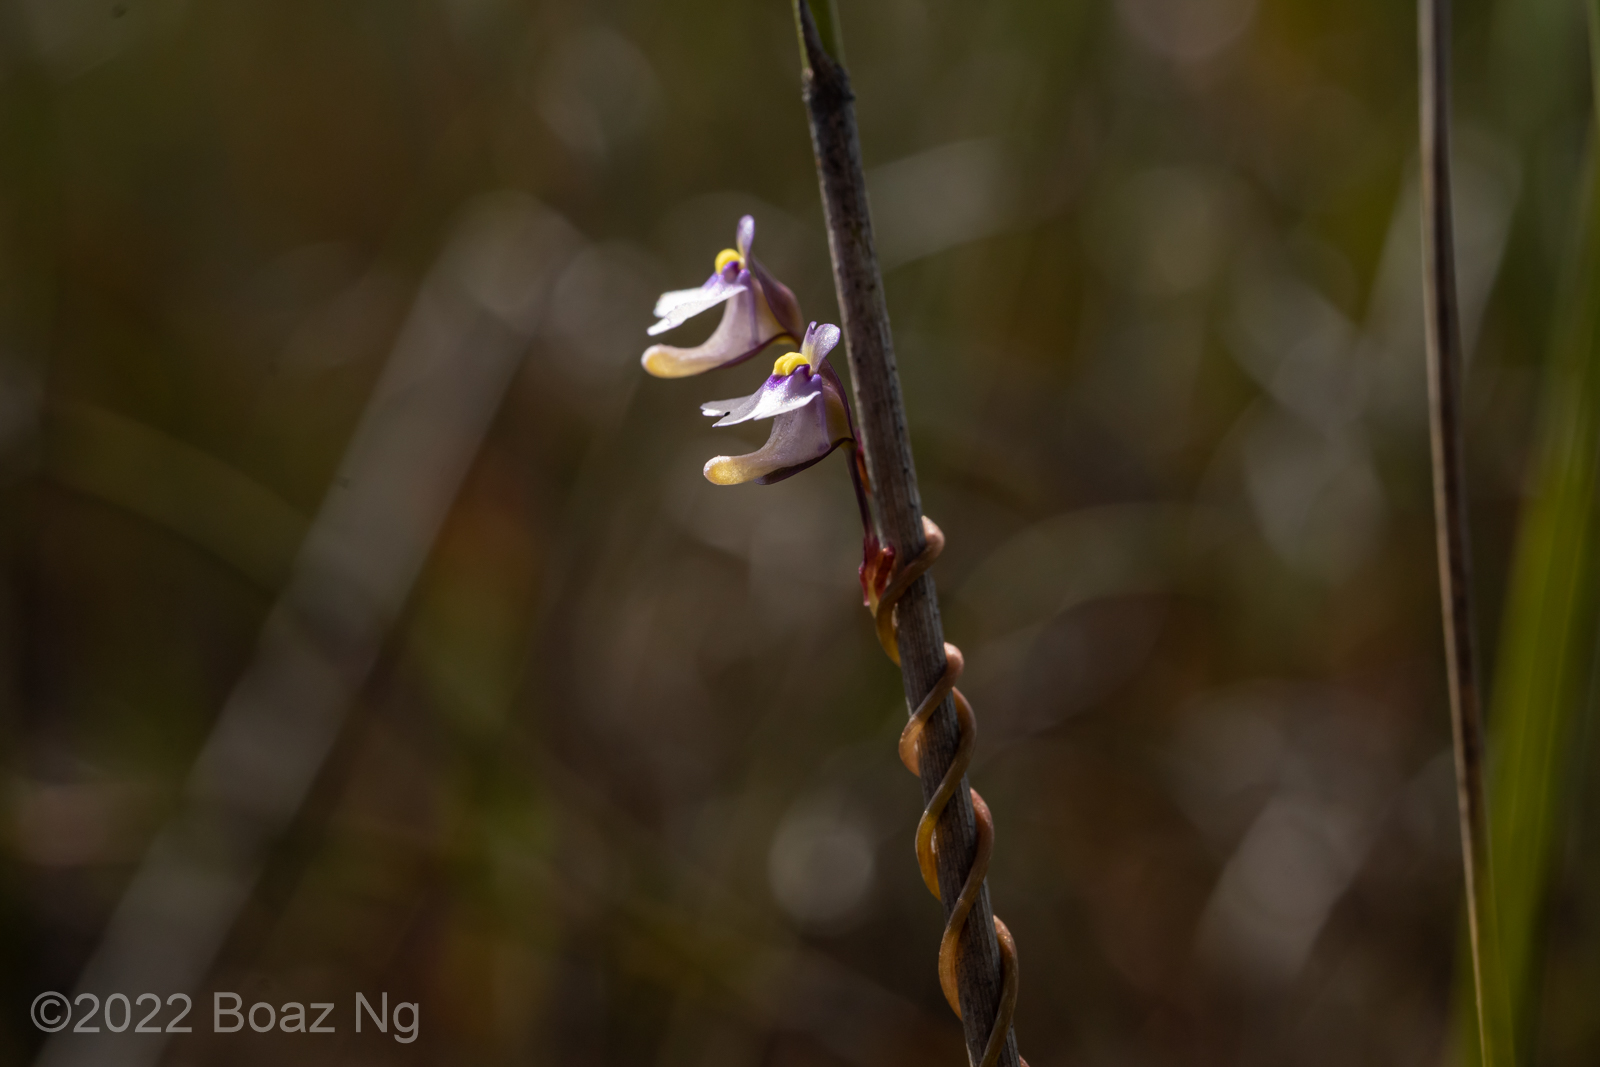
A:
[927,845]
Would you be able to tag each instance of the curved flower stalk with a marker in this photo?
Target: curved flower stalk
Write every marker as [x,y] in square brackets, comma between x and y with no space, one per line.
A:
[757,310]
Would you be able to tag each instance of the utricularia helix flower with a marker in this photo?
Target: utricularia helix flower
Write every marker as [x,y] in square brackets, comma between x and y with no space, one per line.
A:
[803,396]
[810,416]
[758,310]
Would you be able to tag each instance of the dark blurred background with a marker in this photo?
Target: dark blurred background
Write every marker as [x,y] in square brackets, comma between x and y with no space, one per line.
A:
[366,623]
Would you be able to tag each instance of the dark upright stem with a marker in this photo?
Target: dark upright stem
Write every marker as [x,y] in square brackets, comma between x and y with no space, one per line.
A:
[1450,505]
[882,425]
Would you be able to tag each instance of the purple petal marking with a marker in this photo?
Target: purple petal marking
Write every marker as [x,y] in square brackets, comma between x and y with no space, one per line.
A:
[785,308]
[777,395]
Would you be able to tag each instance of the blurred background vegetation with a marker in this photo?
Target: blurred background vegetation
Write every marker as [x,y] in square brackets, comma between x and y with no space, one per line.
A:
[346,546]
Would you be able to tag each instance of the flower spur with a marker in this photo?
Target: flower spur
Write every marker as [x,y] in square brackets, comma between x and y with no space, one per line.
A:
[757,310]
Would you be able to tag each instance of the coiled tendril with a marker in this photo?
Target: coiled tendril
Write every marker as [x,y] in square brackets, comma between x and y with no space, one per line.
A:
[927,847]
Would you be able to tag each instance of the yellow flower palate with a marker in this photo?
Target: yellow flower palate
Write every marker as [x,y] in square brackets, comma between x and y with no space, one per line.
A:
[787,365]
[726,256]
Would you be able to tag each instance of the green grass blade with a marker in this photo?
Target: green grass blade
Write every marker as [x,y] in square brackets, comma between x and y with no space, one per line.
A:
[1543,679]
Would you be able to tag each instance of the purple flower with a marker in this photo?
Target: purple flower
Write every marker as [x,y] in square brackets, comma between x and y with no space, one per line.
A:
[806,403]
[803,396]
[758,310]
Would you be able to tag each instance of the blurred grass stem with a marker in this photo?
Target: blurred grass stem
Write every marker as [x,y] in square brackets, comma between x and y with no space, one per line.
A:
[1450,521]
[1543,697]
[882,426]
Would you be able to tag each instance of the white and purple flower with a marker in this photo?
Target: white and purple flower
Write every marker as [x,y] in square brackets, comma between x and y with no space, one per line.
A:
[803,396]
[806,403]
[757,310]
